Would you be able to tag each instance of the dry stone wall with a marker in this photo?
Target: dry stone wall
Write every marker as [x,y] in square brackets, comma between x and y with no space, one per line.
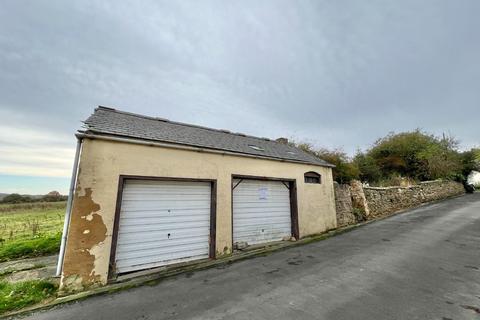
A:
[382,201]
[351,203]
[355,203]
[343,204]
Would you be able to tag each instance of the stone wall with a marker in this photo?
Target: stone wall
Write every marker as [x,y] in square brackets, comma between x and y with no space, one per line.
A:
[355,203]
[343,205]
[350,203]
[383,201]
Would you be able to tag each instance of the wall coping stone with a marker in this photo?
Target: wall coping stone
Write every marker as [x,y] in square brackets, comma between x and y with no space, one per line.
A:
[409,187]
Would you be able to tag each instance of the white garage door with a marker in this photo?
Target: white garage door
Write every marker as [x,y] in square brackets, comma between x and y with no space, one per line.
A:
[162,222]
[261,211]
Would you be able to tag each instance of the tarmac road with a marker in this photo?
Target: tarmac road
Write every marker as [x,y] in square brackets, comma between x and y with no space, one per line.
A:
[421,264]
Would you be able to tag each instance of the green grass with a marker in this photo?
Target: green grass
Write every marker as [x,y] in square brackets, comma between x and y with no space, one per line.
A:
[40,246]
[30,229]
[26,221]
[22,294]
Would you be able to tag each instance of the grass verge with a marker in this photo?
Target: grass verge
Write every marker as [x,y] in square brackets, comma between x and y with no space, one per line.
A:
[39,246]
[21,294]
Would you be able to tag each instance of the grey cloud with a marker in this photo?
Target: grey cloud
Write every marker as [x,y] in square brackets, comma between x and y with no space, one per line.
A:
[336,73]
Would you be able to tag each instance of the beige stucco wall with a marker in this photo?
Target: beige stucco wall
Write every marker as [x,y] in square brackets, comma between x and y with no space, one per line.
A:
[101,162]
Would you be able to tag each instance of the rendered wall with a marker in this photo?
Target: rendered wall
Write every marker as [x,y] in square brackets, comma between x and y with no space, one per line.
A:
[101,162]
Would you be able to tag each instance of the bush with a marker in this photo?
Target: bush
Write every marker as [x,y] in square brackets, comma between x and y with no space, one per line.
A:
[404,157]
[368,168]
[415,155]
[345,170]
[14,296]
[39,246]
[470,161]
[16,198]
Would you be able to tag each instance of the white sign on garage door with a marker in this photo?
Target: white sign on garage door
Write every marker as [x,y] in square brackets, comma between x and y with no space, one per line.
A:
[162,222]
[261,211]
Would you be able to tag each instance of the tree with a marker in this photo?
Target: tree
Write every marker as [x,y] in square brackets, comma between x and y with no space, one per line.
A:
[369,171]
[417,155]
[405,156]
[16,198]
[442,158]
[345,170]
[53,196]
[470,161]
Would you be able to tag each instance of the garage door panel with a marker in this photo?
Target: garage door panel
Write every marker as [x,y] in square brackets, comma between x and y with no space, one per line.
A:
[250,198]
[149,213]
[134,264]
[159,243]
[141,257]
[264,211]
[177,187]
[165,222]
[164,197]
[163,208]
[259,206]
[155,237]
[162,222]
[166,205]
[261,211]
[171,228]
[264,224]
[271,226]
[256,231]
[258,237]
[184,250]
[257,219]
[154,214]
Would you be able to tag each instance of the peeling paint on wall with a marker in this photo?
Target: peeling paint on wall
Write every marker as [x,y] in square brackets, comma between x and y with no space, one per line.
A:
[87,230]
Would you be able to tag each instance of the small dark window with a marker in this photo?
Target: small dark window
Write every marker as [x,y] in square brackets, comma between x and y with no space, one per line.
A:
[312,177]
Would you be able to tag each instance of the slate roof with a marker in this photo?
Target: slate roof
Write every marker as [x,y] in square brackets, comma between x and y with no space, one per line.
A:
[108,121]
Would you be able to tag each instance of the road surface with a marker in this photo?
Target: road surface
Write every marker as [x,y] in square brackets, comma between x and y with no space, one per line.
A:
[421,264]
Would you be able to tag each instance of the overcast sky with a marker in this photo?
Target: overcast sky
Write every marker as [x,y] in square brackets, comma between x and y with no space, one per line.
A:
[334,73]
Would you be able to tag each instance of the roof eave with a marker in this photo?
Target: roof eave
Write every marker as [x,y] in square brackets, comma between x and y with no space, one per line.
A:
[92,134]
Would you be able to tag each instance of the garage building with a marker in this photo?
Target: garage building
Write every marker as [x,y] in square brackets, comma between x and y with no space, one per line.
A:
[150,193]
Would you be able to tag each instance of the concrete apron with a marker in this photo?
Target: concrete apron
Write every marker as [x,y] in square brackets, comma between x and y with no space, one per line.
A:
[39,268]
[153,276]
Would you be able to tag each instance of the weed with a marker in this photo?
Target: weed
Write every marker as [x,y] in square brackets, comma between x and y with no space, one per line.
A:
[359,214]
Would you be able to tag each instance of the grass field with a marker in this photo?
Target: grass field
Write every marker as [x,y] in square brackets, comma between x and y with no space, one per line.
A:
[30,220]
[31,229]
[28,230]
